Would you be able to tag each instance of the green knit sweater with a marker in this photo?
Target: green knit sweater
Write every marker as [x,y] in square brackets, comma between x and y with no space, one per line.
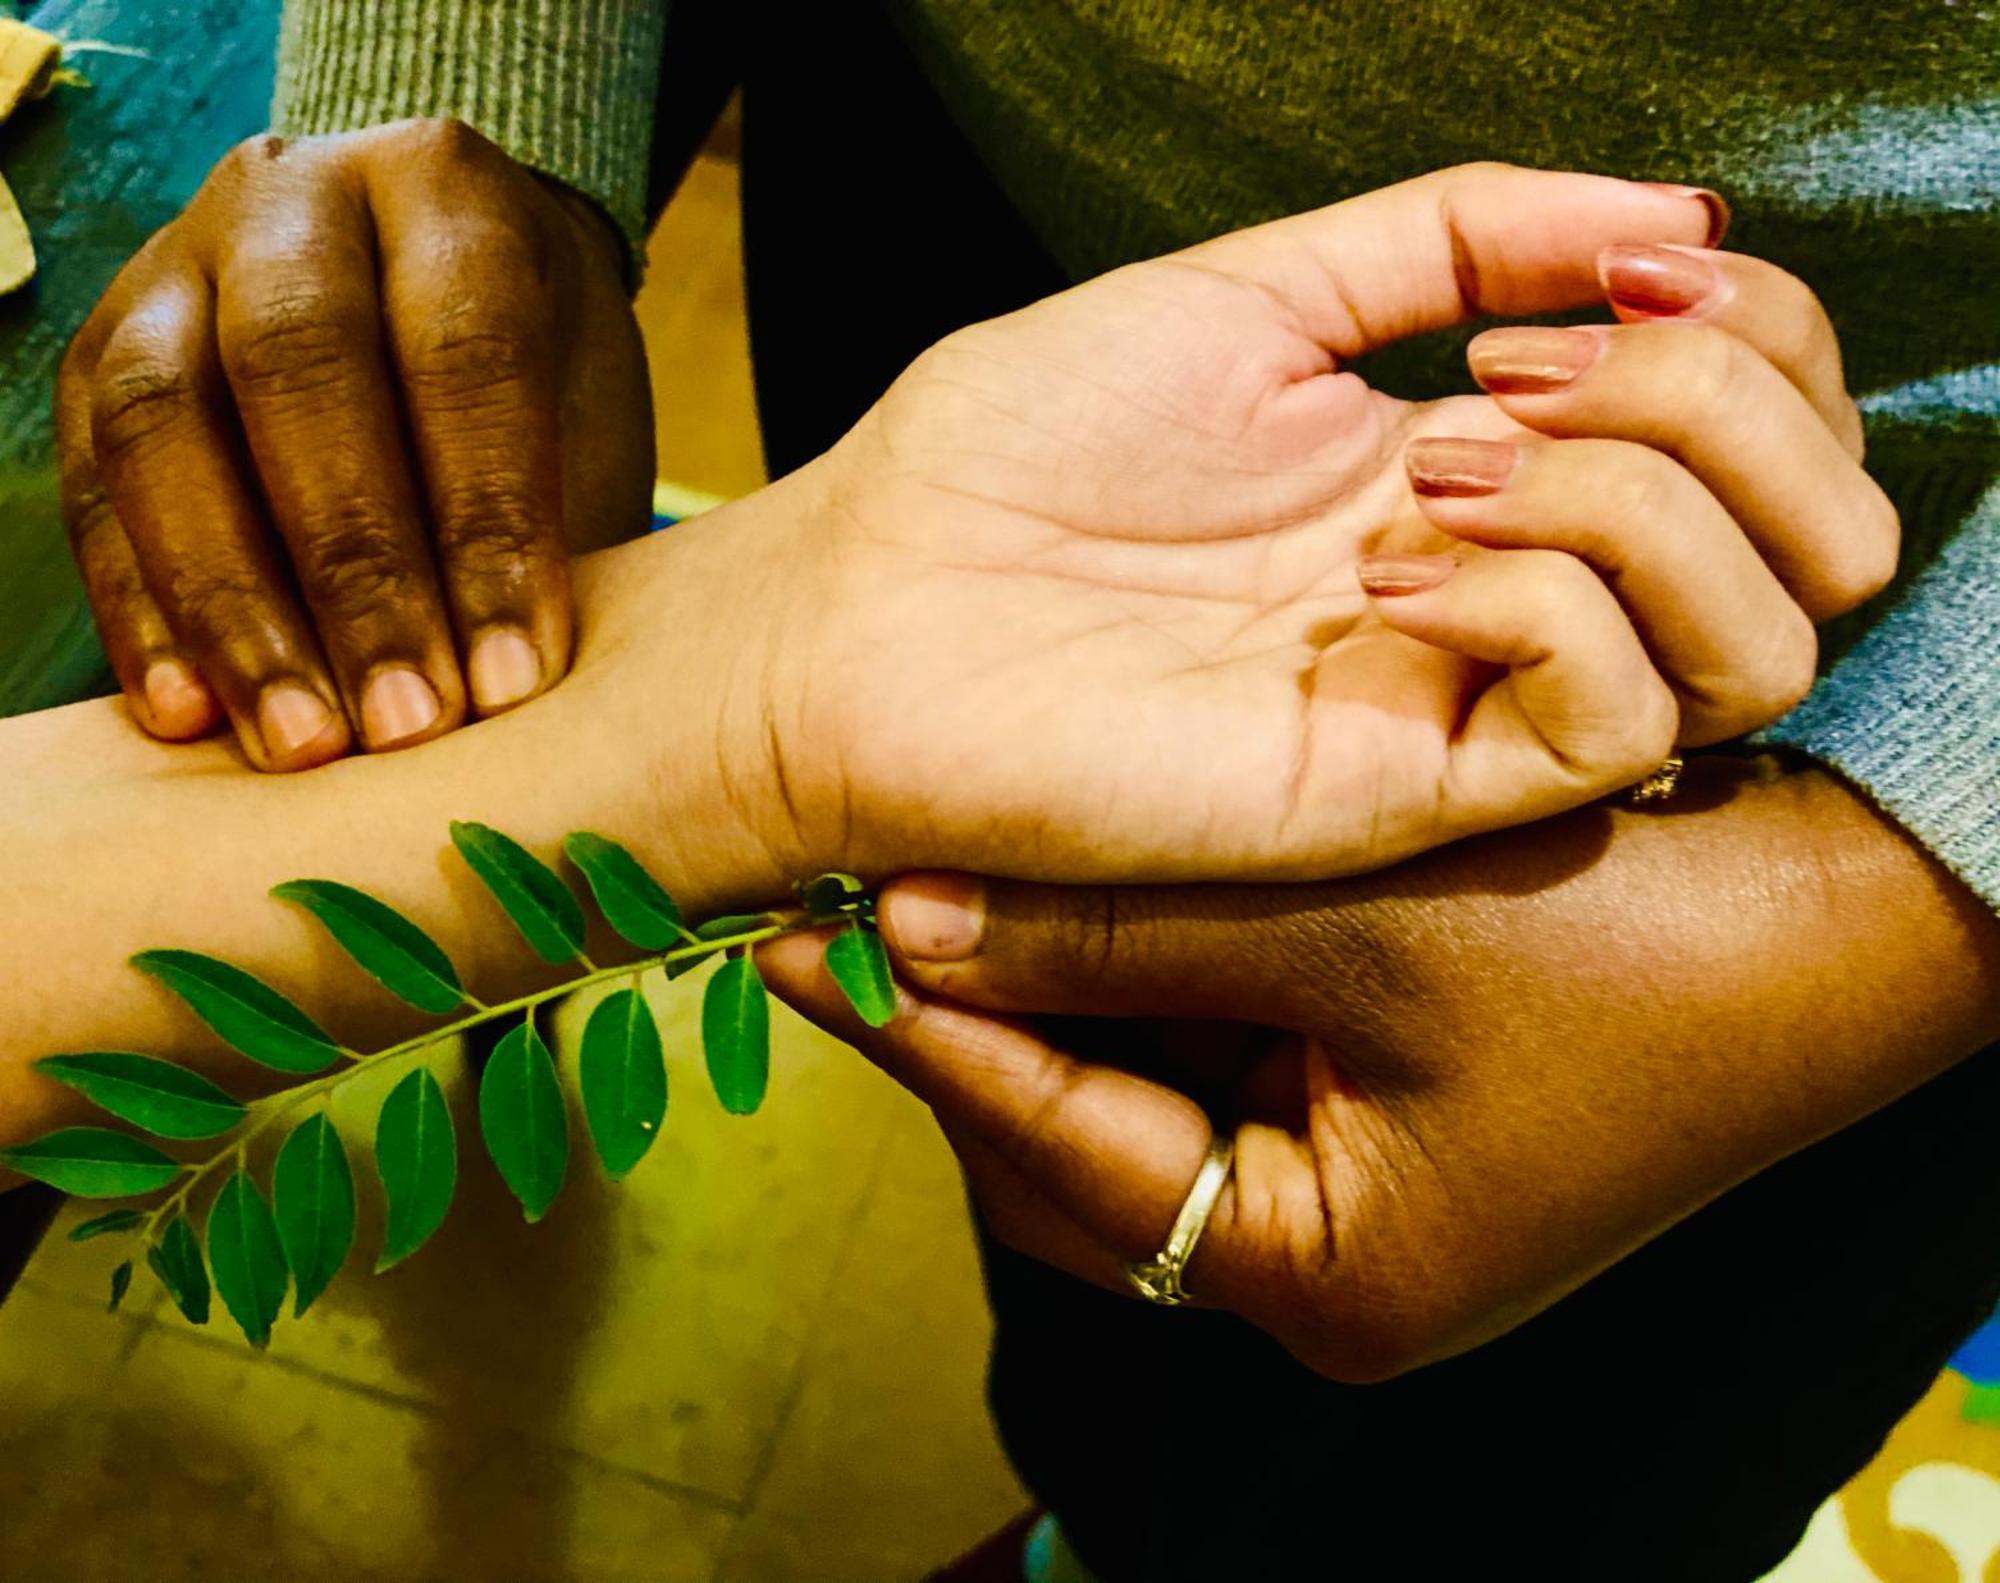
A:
[1860,146]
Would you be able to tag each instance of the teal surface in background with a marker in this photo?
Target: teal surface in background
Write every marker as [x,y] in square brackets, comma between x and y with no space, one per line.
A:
[96,171]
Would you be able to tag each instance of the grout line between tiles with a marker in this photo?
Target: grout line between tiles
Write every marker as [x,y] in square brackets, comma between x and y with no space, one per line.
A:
[795,1381]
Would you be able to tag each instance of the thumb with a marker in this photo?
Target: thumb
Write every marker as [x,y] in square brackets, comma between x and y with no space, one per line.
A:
[1453,245]
[1221,952]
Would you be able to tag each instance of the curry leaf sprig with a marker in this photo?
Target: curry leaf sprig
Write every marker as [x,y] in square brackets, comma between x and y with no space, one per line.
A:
[254,1249]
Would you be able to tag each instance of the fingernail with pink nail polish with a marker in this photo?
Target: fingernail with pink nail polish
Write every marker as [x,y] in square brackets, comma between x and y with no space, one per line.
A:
[1530,360]
[1711,200]
[1387,576]
[1441,467]
[1661,281]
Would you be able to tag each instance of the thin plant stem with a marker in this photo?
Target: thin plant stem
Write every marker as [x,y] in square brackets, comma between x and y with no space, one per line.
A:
[276,1108]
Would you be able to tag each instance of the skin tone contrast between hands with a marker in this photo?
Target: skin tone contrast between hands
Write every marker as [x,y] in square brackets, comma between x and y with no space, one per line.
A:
[1126,532]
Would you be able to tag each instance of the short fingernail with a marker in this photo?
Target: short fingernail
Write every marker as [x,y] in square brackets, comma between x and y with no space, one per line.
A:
[290,717]
[177,699]
[396,705]
[935,917]
[1389,575]
[1530,360]
[505,669]
[1708,198]
[1658,280]
[1459,467]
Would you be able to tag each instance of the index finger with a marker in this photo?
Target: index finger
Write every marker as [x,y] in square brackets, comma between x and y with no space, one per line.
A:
[1451,246]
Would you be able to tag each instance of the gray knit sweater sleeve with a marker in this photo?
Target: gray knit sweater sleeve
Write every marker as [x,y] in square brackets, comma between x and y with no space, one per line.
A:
[1912,713]
[565,86]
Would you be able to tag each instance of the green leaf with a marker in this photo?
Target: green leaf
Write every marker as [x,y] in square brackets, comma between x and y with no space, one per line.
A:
[165,1099]
[623,1074]
[104,1225]
[687,964]
[416,1155]
[832,897]
[177,1262]
[736,1035]
[93,1162]
[312,1198]
[632,901]
[543,909]
[394,951]
[248,1259]
[859,963]
[246,1013]
[121,1283]
[731,924]
[522,1118]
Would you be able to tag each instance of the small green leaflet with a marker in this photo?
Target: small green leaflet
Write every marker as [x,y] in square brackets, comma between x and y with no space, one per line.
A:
[121,1283]
[736,1035]
[416,1155]
[732,924]
[524,1122]
[93,1162]
[312,1199]
[391,949]
[832,897]
[104,1225]
[248,1261]
[543,909]
[859,964]
[631,900]
[246,1013]
[623,1075]
[177,1262]
[167,1100]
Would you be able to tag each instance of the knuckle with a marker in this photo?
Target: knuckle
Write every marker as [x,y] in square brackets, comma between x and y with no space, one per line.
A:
[1632,489]
[297,339]
[492,534]
[213,606]
[138,397]
[1870,566]
[445,139]
[1711,364]
[359,562]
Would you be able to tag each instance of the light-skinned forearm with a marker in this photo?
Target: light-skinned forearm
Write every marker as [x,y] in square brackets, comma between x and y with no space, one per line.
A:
[111,843]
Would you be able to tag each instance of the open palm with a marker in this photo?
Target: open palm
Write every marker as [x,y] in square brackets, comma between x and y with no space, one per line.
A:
[1095,567]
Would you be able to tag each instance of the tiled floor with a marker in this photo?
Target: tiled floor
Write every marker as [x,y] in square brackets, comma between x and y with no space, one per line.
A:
[758,1360]
[718,1370]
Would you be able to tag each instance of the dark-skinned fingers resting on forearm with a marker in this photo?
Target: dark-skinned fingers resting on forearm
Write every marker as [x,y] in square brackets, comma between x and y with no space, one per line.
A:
[330,437]
[1458,1088]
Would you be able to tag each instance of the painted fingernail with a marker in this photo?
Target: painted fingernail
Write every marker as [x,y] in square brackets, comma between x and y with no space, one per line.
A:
[1459,467]
[504,669]
[178,701]
[1657,280]
[1530,360]
[290,717]
[396,705]
[935,917]
[1714,202]
[1389,575]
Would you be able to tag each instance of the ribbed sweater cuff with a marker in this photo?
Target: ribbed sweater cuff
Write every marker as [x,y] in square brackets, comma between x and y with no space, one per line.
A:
[1912,713]
[565,86]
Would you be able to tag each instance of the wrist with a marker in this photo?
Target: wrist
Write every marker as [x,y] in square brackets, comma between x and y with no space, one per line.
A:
[682,657]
